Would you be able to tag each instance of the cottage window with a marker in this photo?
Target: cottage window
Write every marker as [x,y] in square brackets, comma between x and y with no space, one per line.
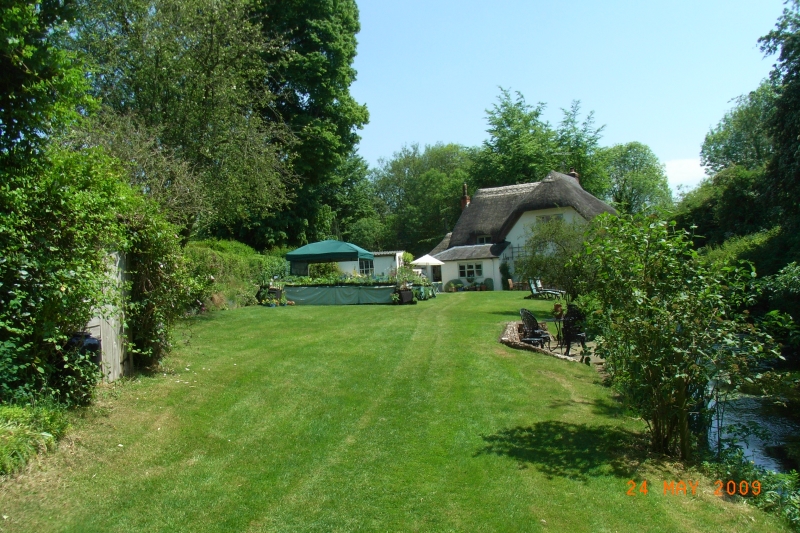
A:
[470,270]
[548,218]
[366,267]
[484,239]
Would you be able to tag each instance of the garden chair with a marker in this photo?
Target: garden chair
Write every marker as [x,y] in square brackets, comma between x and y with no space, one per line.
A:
[532,333]
[573,327]
[550,289]
[544,293]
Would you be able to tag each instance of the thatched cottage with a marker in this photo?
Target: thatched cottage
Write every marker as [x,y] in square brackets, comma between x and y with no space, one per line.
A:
[492,226]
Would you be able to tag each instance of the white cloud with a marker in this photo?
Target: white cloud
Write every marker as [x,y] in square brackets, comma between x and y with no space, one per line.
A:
[686,172]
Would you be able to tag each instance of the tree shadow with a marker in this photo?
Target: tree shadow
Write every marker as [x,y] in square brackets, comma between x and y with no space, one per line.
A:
[505,313]
[608,408]
[574,451]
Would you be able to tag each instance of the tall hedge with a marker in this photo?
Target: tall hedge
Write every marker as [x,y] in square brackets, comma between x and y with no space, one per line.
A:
[59,215]
[62,215]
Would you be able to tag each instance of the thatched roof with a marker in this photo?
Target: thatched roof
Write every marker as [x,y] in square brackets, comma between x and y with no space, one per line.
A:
[494,211]
[480,251]
[443,245]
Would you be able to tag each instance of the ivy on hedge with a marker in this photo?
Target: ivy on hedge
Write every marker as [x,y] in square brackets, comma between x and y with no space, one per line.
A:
[59,214]
[62,214]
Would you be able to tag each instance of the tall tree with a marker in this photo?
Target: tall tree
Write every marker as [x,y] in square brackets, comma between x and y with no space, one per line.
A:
[193,72]
[311,79]
[783,176]
[578,146]
[419,192]
[521,147]
[637,179]
[741,137]
[42,84]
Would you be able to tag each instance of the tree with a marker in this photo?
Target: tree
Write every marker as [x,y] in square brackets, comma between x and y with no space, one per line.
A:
[152,169]
[193,74]
[741,137]
[42,85]
[730,203]
[671,328]
[419,193]
[549,251]
[783,125]
[637,179]
[311,77]
[578,147]
[521,147]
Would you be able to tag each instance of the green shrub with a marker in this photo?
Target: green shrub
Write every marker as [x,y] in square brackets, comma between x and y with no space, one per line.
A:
[453,284]
[26,431]
[232,269]
[161,286]
[505,274]
[323,270]
[779,493]
[670,322]
[60,216]
[741,247]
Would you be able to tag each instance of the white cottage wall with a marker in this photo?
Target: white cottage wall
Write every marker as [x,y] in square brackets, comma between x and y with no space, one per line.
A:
[519,233]
[384,265]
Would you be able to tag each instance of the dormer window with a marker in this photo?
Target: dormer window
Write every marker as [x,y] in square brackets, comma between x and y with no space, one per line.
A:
[548,218]
[484,239]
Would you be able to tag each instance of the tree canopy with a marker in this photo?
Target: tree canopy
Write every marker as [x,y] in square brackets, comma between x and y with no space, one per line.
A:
[741,137]
[637,179]
[193,74]
[42,84]
[419,193]
[523,147]
[783,125]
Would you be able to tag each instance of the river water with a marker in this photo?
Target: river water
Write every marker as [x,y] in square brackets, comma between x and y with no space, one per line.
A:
[763,413]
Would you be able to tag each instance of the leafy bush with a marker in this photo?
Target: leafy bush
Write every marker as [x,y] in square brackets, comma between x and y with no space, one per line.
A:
[505,275]
[26,431]
[405,275]
[161,285]
[232,269]
[741,247]
[780,493]
[671,330]
[59,218]
[323,270]
[549,248]
[453,284]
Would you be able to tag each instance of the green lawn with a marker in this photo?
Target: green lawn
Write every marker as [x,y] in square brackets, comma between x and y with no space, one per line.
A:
[361,418]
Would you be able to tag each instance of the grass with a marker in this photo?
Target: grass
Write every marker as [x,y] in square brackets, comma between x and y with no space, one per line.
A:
[361,418]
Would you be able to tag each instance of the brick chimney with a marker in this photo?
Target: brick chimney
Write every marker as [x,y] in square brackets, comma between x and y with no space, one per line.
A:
[575,175]
[465,198]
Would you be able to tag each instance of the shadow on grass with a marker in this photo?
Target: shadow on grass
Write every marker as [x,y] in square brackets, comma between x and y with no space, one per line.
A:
[608,408]
[575,451]
[506,313]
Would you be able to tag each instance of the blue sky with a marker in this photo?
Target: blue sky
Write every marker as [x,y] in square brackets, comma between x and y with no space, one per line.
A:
[661,73]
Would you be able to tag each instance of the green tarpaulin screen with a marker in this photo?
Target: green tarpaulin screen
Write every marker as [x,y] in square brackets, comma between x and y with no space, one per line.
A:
[347,295]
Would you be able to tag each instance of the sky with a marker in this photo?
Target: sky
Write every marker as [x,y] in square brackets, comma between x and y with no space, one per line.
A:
[660,73]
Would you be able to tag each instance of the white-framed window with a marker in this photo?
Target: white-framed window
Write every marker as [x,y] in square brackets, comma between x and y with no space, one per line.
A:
[484,239]
[366,267]
[470,270]
[548,218]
